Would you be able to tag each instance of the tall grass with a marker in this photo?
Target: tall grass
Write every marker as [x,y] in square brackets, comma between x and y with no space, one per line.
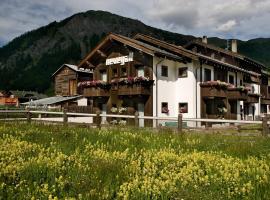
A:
[56,162]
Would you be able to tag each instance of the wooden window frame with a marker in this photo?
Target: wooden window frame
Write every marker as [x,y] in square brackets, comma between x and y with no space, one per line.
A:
[204,77]
[121,73]
[117,74]
[231,76]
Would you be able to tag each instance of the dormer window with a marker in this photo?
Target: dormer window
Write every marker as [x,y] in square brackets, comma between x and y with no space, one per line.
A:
[223,59]
[212,55]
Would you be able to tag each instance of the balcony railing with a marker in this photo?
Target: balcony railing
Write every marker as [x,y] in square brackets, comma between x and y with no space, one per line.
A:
[123,86]
[134,90]
[96,92]
[265,93]
[237,94]
[253,98]
[225,90]
[213,89]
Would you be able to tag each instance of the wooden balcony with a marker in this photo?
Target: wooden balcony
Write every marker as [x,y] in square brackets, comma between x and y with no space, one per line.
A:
[265,101]
[237,94]
[96,92]
[134,90]
[213,91]
[265,91]
[253,98]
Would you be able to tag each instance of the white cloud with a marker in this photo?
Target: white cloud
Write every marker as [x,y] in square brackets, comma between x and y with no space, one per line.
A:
[228,26]
[243,19]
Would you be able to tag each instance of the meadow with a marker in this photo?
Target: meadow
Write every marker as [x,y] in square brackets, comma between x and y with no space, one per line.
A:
[56,162]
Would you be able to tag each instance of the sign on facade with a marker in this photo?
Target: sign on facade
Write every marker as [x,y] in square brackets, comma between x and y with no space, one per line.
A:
[120,60]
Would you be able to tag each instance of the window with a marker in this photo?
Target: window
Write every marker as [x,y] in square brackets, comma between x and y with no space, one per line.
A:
[103,75]
[233,105]
[183,107]
[114,72]
[182,72]
[252,89]
[207,74]
[241,82]
[123,71]
[231,79]
[140,71]
[164,107]
[164,71]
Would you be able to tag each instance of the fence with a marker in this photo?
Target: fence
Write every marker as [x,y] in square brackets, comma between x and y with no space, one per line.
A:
[64,116]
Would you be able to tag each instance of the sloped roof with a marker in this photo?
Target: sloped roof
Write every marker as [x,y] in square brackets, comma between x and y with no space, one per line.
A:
[74,68]
[139,45]
[51,100]
[162,44]
[175,48]
[153,48]
[227,52]
[21,94]
[228,65]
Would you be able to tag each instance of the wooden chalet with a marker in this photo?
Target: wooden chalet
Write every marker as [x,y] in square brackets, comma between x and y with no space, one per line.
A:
[67,77]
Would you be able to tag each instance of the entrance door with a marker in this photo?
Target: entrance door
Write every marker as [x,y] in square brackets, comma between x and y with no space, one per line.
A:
[141,113]
[103,112]
[72,87]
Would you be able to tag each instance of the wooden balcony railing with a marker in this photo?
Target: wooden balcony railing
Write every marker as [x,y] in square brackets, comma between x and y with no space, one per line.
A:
[213,91]
[265,92]
[134,90]
[96,92]
[253,98]
[237,94]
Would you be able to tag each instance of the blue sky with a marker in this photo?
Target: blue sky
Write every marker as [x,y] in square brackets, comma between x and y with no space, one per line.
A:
[243,19]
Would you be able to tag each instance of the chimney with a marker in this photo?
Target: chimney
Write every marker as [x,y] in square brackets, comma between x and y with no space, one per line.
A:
[234,46]
[204,39]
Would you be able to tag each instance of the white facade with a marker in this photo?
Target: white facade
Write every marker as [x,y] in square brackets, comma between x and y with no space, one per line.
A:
[173,90]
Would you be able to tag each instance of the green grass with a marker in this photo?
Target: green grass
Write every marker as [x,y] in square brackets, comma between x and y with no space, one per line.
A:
[52,161]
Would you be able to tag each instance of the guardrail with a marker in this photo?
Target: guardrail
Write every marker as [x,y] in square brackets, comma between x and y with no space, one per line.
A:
[98,116]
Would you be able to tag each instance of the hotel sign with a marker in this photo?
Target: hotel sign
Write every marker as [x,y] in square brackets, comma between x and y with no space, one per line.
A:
[120,60]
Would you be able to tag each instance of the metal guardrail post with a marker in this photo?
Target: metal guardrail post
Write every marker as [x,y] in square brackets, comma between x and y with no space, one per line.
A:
[180,123]
[136,119]
[265,129]
[98,119]
[65,117]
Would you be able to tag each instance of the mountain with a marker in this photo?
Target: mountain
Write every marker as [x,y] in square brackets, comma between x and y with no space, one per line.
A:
[27,62]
